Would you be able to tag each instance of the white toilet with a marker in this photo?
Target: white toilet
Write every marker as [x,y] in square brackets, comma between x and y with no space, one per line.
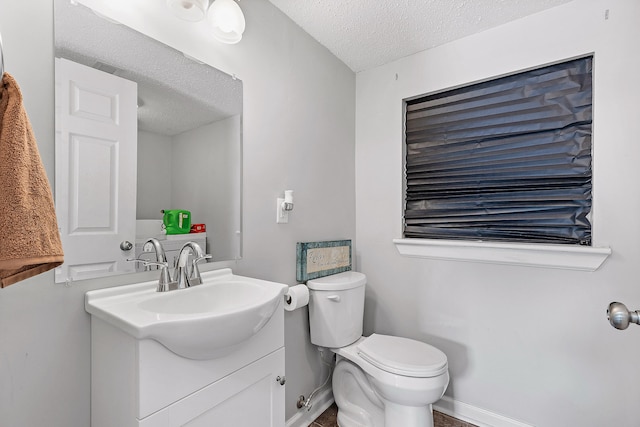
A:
[378,380]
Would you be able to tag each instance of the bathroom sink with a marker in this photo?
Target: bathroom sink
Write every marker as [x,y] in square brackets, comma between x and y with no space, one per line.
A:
[201,322]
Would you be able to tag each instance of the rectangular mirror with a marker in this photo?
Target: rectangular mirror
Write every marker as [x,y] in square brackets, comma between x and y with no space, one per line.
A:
[140,128]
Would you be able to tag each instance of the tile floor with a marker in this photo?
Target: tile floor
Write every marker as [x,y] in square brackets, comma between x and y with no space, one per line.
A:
[328,419]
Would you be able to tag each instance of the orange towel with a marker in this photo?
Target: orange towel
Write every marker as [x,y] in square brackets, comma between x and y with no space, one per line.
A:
[29,238]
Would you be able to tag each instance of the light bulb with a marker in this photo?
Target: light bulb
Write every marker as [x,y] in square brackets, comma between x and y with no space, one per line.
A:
[227,21]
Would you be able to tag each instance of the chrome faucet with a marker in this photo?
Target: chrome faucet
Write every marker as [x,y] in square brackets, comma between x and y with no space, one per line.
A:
[164,282]
[189,275]
[157,246]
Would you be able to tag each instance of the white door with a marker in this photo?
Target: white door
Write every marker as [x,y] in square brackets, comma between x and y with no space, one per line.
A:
[95,170]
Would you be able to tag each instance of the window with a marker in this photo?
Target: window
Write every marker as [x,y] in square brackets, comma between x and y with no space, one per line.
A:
[507,160]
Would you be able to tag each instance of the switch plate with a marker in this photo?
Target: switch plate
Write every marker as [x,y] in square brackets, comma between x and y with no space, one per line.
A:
[282,216]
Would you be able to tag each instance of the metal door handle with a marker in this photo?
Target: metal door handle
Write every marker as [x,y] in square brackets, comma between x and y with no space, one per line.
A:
[620,317]
[126,245]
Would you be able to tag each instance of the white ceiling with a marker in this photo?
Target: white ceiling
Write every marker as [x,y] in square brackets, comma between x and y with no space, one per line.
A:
[368,33]
[362,33]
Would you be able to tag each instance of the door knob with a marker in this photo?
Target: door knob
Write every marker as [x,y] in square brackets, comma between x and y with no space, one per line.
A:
[620,317]
[281,380]
[126,245]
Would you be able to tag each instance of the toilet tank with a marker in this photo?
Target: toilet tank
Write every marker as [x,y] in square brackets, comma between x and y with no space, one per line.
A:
[336,309]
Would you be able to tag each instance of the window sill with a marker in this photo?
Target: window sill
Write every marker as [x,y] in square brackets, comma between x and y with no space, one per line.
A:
[583,258]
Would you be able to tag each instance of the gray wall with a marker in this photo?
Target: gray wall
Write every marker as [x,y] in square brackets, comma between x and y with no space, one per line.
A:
[206,160]
[529,343]
[299,131]
[155,172]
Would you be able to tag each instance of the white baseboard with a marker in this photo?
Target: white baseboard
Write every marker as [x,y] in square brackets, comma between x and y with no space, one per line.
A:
[474,415]
[321,401]
[446,405]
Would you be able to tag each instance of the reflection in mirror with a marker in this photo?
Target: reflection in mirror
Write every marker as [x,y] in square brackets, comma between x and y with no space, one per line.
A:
[140,128]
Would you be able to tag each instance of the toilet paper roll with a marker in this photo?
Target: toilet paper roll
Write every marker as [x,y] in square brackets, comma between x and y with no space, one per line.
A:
[297,296]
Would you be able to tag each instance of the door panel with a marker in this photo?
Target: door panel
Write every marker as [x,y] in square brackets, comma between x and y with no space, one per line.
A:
[96,162]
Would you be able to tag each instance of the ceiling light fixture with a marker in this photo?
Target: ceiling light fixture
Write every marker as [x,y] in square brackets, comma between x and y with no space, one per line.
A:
[227,21]
[189,10]
[224,16]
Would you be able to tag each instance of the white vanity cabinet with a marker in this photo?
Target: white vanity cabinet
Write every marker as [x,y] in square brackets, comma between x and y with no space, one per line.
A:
[251,396]
[142,383]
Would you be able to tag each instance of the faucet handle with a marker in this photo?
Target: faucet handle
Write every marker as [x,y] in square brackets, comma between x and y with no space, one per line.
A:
[144,262]
[203,257]
[164,282]
[195,278]
[147,263]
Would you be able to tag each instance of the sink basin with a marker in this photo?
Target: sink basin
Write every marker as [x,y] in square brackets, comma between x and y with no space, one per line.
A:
[201,322]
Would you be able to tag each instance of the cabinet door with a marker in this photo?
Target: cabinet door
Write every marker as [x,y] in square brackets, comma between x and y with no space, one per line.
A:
[251,397]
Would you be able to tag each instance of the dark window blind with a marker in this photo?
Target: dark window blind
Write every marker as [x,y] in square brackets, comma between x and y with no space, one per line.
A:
[504,160]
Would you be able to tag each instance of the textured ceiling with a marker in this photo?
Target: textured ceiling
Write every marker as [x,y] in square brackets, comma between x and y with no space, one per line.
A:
[368,33]
[175,94]
[179,94]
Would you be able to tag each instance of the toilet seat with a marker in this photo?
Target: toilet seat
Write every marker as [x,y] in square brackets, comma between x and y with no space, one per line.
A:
[402,356]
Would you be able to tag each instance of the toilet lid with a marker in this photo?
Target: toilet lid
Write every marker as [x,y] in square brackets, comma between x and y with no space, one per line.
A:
[403,356]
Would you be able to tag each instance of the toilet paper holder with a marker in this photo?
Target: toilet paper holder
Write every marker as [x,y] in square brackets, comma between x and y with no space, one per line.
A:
[296,296]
